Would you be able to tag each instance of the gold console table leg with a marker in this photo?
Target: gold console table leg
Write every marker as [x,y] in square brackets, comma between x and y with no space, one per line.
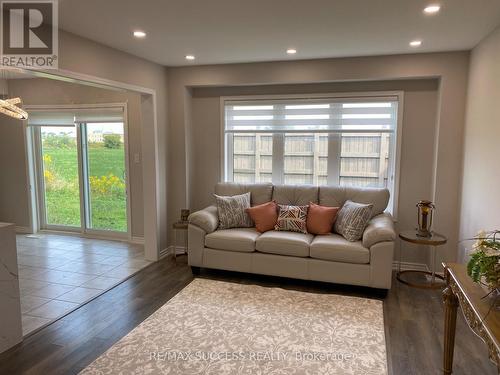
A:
[450,322]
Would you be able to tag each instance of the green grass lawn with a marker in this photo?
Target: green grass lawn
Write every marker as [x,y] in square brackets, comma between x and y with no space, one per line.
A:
[108,210]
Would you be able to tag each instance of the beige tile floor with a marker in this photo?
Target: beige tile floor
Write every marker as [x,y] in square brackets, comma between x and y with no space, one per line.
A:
[59,273]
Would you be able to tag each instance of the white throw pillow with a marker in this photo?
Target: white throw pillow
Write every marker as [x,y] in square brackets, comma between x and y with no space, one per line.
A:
[352,220]
[232,211]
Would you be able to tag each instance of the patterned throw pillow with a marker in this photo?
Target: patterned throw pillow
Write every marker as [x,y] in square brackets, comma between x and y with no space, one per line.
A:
[352,220]
[232,211]
[292,218]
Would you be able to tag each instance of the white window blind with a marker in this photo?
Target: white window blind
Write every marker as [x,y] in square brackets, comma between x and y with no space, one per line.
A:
[338,115]
[69,117]
[50,118]
[106,115]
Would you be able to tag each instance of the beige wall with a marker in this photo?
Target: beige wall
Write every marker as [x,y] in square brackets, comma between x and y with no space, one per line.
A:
[14,203]
[35,91]
[480,207]
[77,54]
[434,116]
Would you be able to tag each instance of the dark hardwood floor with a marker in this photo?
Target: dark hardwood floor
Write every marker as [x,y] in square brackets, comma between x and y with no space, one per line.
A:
[413,320]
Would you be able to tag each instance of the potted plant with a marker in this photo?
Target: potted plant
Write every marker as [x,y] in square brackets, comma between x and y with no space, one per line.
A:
[484,263]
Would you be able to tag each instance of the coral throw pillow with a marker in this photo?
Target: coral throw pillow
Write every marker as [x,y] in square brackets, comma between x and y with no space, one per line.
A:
[292,218]
[264,216]
[320,219]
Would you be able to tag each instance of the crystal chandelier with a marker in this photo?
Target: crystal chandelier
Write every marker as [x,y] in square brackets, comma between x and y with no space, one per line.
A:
[8,107]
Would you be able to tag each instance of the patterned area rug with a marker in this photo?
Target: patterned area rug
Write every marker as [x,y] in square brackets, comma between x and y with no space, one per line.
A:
[214,327]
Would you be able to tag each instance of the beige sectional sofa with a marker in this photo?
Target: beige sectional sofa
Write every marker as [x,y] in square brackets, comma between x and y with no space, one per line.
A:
[329,258]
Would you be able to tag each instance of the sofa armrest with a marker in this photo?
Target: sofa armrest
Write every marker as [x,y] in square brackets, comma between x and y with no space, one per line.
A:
[379,229]
[196,245]
[207,219]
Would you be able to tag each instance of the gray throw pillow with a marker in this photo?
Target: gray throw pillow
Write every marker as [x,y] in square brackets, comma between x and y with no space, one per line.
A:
[232,211]
[352,220]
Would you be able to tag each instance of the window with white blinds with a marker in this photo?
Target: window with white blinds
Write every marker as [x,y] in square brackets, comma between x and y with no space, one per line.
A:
[336,141]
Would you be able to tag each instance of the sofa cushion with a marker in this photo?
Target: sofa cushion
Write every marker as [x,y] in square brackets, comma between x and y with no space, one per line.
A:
[284,243]
[232,211]
[295,195]
[259,193]
[320,219]
[352,220]
[235,239]
[292,218]
[264,216]
[336,196]
[336,248]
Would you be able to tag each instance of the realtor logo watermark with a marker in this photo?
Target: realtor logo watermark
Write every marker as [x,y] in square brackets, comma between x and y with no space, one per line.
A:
[29,34]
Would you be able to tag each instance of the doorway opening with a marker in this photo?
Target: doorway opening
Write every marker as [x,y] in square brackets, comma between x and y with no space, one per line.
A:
[80,169]
[65,90]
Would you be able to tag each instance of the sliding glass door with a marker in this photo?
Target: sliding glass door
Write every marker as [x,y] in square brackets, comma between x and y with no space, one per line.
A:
[60,187]
[105,176]
[81,173]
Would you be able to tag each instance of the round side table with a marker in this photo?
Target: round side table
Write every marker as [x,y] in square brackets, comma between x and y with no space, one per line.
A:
[433,241]
[183,227]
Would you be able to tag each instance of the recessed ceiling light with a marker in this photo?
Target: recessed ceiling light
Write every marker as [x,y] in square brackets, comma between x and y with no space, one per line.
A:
[432,9]
[190,57]
[291,51]
[139,34]
[415,43]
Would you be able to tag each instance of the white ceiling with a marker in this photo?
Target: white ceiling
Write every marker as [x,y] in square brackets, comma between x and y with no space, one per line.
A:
[229,31]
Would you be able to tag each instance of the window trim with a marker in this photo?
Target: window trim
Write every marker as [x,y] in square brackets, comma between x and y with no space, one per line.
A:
[394,159]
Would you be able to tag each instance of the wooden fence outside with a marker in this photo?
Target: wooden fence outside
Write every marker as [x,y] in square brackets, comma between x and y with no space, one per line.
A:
[364,158]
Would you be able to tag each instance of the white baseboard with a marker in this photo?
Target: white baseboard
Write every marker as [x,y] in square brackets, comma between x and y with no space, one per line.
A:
[405,266]
[164,252]
[23,230]
[170,250]
[137,240]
